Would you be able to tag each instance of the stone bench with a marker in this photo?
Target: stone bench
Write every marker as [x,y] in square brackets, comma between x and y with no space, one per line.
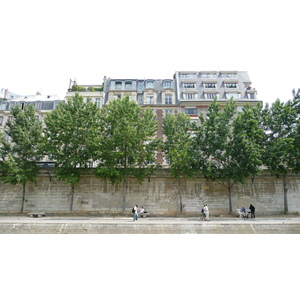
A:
[36,214]
[143,215]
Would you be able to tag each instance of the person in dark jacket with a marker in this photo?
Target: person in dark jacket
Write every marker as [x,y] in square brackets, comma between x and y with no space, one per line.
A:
[252,210]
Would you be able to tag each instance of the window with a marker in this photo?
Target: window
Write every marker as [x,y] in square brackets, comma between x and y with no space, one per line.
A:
[150,84]
[187,75]
[150,99]
[55,104]
[211,95]
[140,98]
[229,75]
[118,85]
[189,85]
[231,85]
[251,96]
[98,102]
[11,105]
[3,105]
[210,85]
[189,96]
[38,105]
[168,112]
[116,97]
[208,75]
[232,95]
[167,84]
[168,99]
[141,85]
[128,85]
[190,111]
[1,120]
[21,104]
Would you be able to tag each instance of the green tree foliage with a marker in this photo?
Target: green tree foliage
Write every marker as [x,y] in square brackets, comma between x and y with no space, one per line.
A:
[229,144]
[127,143]
[282,152]
[70,133]
[22,149]
[179,146]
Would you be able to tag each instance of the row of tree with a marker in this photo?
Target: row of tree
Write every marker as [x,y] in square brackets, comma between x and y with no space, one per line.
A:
[121,140]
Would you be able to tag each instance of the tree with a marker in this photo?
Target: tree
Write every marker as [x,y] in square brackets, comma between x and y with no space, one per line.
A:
[69,138]
[178,147]
[295,102]
[282,154]
[127,145]
[22,149]
[229,144]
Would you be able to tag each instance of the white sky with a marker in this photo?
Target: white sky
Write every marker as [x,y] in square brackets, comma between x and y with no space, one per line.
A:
[44,44]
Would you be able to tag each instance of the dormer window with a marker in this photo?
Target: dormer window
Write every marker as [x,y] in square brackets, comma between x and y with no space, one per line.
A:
[38,105]
[128,85]
[118,85]
[167,84]
[150,84]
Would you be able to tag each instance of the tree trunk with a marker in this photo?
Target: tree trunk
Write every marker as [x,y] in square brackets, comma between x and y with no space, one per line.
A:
[229,196]
[72,198]
[23,196]
[124,194]
[180,196]
[285,190]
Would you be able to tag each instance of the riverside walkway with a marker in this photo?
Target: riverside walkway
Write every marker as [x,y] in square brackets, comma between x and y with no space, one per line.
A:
[74,224]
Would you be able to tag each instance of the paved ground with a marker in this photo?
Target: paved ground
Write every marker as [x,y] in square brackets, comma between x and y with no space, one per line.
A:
[22,224]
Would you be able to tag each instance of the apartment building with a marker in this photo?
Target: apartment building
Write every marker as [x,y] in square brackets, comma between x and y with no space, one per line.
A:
[93,93]
[42,104]
[190,92]
[196,89]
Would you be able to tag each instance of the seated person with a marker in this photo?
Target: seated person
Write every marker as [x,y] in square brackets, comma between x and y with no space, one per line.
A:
[243,211]
[239,212]
[143,212]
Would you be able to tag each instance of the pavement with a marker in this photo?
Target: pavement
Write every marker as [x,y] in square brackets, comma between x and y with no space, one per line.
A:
[74,224]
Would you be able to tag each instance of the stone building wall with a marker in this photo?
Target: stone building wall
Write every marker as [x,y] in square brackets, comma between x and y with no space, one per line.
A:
[159,194]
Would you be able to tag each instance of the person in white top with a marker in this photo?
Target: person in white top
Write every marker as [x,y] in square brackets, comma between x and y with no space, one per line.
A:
[206,211]
[135,216]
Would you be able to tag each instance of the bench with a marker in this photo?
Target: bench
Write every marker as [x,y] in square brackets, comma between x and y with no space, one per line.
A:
[36,214]
[143,215]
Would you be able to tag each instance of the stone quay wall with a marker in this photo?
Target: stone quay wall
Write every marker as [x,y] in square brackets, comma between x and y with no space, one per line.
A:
[159,194]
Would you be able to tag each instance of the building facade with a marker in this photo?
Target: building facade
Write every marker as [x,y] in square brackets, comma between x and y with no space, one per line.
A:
[190,92]
[42,104]
[93,93]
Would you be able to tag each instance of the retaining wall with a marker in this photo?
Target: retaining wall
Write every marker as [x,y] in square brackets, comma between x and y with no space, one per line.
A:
[159,194]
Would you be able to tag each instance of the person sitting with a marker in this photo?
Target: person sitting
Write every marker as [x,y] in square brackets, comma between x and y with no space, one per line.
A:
[244,212]
[239,212]
[143,212]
